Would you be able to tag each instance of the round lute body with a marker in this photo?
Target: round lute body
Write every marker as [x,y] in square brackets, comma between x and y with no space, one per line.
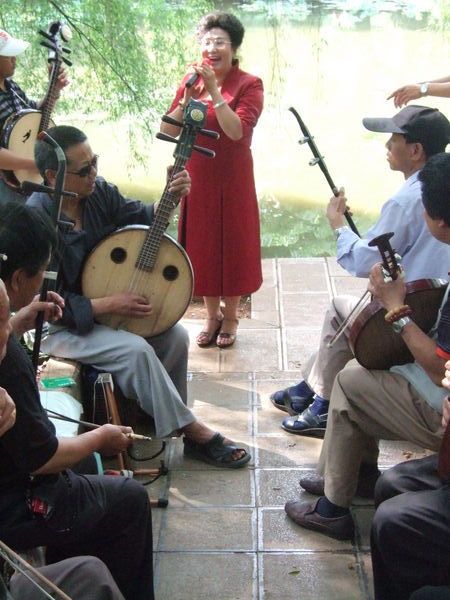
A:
[19,135]
[373,341]
[21,129]
[111,269]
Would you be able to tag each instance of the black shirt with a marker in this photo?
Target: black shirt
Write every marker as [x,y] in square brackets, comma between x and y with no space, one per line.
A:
[31,442]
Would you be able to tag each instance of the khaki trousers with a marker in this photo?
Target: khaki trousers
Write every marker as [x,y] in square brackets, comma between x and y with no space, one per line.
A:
[323,366]
[367,406]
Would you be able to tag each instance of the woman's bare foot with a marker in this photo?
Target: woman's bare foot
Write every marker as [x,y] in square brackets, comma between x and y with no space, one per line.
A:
[208,334]
[228,332]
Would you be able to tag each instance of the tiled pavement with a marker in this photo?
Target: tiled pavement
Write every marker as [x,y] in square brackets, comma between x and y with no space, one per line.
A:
[224,534]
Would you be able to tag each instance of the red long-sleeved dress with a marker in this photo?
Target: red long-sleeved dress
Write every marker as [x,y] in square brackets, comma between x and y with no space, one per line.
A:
[219,220]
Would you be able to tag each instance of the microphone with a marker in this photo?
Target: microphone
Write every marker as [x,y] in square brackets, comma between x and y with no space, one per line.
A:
[30,186]
[192,80]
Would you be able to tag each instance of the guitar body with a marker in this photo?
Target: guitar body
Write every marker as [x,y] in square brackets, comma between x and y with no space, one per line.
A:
[19,135]
[110,269]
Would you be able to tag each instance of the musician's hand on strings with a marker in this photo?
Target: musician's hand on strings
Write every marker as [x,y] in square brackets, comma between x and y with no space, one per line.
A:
[128,305]
[62,80]
[336,209]
[113,439]
[391,294]
[181,182]
[404,94]
[7,412]
[25,318]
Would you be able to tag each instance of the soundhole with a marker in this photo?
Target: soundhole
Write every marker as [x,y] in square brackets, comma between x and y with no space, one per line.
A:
[118,255]
[170,273]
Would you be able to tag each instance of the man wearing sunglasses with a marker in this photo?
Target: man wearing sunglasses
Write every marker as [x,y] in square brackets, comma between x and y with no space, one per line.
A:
[152,371]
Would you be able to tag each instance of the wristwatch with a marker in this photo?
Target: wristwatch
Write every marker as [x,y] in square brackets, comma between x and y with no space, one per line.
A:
[398,326]
[339,230]
[424,88]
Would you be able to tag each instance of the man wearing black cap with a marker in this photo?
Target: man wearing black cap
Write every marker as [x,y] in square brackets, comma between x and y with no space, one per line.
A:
[13,100]
[403,403]
[417,132]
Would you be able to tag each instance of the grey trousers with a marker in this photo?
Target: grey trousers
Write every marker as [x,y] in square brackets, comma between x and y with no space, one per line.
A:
[367,406]
[322,367]
[81,578]
[153,372]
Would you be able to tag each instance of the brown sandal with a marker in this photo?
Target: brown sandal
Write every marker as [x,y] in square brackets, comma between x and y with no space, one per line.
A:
[205,338]
[226,339]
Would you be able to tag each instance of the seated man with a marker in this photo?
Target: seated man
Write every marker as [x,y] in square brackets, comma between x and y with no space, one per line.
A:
[13,100]
[410,529]
[43,502]
[152,371]
[404,403]
[78,577]
[417,133]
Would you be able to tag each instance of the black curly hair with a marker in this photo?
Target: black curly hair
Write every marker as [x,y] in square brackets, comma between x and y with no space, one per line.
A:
[225,21]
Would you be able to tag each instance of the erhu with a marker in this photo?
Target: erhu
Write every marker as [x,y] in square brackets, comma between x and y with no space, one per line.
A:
[391,270]
[319,160]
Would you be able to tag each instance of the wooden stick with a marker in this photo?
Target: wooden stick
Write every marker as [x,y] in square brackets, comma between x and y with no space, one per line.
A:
[35,572]
[131,435]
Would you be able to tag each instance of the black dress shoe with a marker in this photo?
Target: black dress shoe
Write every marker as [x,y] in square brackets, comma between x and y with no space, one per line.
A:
[314,484]
[306,424]
[288,401]
[305,515]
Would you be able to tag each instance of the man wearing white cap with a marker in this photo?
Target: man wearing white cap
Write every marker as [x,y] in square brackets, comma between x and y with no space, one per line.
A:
[12,100]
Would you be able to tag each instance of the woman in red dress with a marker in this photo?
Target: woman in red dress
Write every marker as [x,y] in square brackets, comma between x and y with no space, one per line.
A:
[219,221]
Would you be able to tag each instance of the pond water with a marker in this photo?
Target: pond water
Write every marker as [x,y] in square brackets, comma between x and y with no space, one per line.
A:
[335,62]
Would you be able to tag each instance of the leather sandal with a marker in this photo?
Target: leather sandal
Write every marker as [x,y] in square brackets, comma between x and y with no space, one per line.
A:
[226,339]
[215,452]
[205,338]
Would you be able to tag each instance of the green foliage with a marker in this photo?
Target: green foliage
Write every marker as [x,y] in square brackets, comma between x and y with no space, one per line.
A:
[294,231]
[128,56]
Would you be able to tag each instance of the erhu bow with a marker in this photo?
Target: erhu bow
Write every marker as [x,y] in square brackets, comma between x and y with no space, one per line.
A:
[22,566]
[319,160]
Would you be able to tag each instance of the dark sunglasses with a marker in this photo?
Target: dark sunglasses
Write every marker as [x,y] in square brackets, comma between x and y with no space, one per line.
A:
[85,171]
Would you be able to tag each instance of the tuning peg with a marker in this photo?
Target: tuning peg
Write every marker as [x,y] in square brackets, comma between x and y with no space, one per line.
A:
[171,121]
[48,45]
[66,61]
[314,161]
[206,151]
[166,138]
[66,50]
[45,34]
[304,140]
[209,133]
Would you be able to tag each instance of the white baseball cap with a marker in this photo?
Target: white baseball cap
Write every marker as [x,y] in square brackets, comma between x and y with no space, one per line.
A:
[10,46]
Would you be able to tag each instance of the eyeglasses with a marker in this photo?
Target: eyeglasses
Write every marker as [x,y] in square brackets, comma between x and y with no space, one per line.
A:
[218,43]
[86,170]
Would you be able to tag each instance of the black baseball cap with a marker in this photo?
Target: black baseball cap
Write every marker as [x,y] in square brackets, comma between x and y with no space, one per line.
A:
[420,123]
